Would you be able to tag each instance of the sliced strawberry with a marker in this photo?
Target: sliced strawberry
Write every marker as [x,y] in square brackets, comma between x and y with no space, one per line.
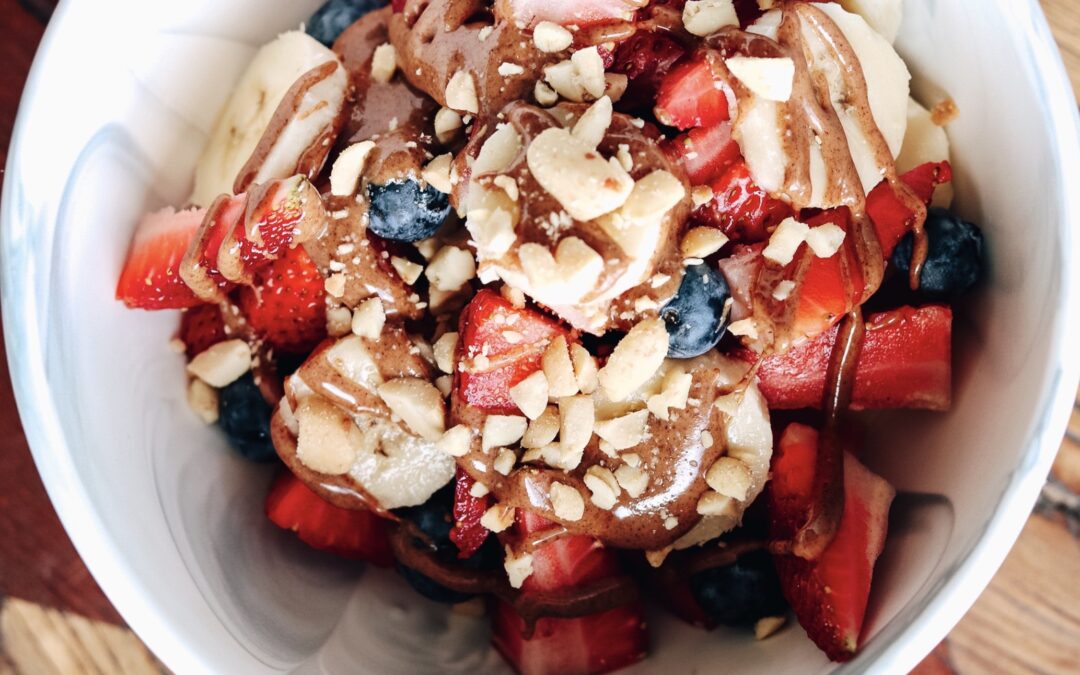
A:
[200,265]
[286,305]
[905,362]
[468,534]
[739,208]
[692,94]
[201,327]
[358,535]
[592,644]
[151,275]
[891,217]
[645,58]
[484,324]
[830,594]
[705,154]
[580,13]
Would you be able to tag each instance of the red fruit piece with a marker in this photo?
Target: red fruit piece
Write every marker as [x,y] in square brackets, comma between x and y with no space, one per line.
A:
[598,643]
[484,323]
[739,208]
[357,535]
[201,327]
[705,154]
[151,275]
[692,94]
[905,362]
[891,218]
[200,265]
[286,305]
[645,58]
[830,594]
[581,13]
[468,534]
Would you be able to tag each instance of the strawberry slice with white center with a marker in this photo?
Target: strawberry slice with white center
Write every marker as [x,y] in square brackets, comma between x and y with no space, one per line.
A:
[151,278]
[830,594]
[597,643]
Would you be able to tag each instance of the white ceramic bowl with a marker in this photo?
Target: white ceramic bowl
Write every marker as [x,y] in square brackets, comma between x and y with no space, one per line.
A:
[170,523]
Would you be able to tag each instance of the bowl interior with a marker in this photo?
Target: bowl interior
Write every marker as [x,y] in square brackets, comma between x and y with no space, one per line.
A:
[171,523]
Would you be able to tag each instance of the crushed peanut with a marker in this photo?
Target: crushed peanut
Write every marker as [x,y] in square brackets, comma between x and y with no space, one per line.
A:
[456,441]
[418,403]
[566,502]
[624,432]
[531,395]
[559,369]
[203,400]
[603,486]
[384,63]
[635,359]
[730,477]
[543,430]
[222,364]
[502,430]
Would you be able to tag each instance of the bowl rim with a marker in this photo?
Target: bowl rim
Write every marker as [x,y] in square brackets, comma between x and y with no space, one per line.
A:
[937,614]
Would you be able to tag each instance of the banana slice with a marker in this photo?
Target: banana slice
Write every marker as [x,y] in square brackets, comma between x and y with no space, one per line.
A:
[925,142]
[273,126]
[336,433]
[884,16]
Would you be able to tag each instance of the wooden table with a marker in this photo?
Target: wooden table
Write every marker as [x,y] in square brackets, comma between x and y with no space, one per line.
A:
[54,619]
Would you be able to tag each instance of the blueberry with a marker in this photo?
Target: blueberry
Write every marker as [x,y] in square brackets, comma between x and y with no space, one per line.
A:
[426,587]
[954,262]
[245,418]
[695,316]
[401,210]
[434,518]
[330,20]
[741,593]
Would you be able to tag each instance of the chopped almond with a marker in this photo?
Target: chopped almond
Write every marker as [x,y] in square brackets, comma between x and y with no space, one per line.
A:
[635,360]
[559,369]
[730,477]
[584,368]
[461,93]
[531,395]
[502,430]
[418,403]
[543,430]
[624,432]
[384,63]
[456,442]
[551,37]
[566,502]
[518,567]
[632,479]
[445,349]
[369,318]
[222,364]
[498,518]
[603,486]
[203,400]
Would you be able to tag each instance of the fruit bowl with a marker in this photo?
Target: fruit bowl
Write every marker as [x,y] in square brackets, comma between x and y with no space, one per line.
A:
[171,525]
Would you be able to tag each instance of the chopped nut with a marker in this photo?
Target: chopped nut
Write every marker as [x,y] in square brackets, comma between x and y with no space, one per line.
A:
[544,94]
[716,504]
[702,242]
[632,459]
[564,277]
[418,403]
[543,430]
[350,357]
[624,157]
[478,490]
[338,321]
[406,269]
[518,567]
[615,85]
[645,304]
[582,181]
[674,393]
[502,430]
[785,241]
[456,442]
[705,17]
[783,290]
[593,124]
[744,328]
[327,439]
[701,194]
[635,359]
[825,240]
[498,518]
[368,319]
[203,400]
[707,439]
[222,364]
[447,125]
[550,37]
[769,78]
[445,349]
[445,385]
[531,395]
[559,369]
[657,558]
[451,269]
[508,185]
[730,477]
[584,368]
[632,479]
[579,77]
[513,295]
[177,346]
[345,174]
[505,461]
[437,173]
[603,486]
[493,231]
[384,63]
[624,432]
[335,285]
[566,502]
[507,69]
[461,93]
[729,403]
[577,416]
[768,626]
[671,522]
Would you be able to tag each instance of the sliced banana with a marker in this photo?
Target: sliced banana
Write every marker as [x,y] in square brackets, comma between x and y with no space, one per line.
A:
[361,447]
[884,16]
[283,67]
[925,142]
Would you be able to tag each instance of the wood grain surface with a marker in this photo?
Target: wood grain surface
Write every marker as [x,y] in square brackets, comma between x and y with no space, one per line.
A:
[54,619]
